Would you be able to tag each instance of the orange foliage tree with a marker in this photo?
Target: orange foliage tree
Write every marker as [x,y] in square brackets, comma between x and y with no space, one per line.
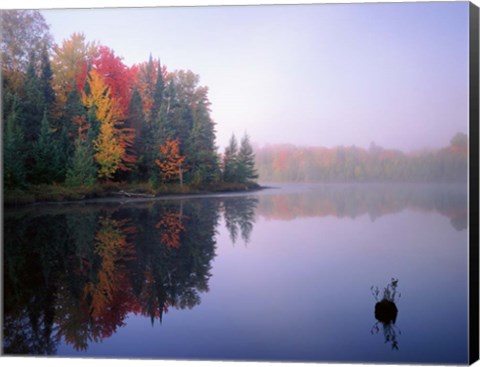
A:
[171,161]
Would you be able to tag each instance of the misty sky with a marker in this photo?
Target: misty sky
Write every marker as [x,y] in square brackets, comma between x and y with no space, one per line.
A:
[395,74]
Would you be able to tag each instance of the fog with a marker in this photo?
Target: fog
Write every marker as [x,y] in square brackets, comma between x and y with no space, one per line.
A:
[310,75]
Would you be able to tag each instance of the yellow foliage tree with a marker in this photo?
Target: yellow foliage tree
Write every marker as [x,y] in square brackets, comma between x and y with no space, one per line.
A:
[69,64]
[112,141]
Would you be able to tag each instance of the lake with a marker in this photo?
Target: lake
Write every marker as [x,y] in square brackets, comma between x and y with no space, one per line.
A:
[290,273]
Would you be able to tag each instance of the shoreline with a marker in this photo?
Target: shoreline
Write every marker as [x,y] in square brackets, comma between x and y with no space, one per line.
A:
[122,196]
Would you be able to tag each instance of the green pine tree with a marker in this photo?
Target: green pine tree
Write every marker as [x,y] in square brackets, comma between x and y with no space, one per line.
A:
[48,166]
[158,93]
[230,161]
[246,171]
[73,115]
[46,77]
[13,155]
[33,104]
[82,171]
[136,120]
[201,154]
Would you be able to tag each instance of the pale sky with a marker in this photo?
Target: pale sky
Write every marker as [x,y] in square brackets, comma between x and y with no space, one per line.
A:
[328,74]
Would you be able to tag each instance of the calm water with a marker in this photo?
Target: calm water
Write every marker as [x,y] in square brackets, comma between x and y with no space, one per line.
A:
[282,274]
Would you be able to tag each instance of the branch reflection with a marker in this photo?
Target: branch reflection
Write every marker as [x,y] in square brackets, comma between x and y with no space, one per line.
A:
[386,312]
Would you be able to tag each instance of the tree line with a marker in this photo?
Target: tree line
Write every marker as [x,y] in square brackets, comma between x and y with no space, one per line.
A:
[75,114]
[288,163]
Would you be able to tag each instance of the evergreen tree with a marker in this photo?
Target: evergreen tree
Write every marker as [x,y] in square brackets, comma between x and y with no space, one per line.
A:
[148,74]
[246,162]
[47,166]
[82,171]
[73,115]
[173,112]
[201,148]
[13,155]
[46,77]
[230,161]
[136,120]
[33,105]
[148,151]
[158,93]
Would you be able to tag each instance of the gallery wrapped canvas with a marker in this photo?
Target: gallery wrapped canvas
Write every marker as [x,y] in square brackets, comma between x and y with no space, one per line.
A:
[281,183]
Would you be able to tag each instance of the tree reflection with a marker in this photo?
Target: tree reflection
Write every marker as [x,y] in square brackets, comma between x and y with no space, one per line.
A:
[171,227]
[31,263]
[75,275]
[374,200]
[239,216]
[386,312]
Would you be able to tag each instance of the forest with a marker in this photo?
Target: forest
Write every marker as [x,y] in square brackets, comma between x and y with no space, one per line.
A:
[77,118]
[289,163]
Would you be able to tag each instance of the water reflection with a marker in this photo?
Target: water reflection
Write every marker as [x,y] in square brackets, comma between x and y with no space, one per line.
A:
[73,274]
[76,274]
[350,200]
[239,215]
[386,312]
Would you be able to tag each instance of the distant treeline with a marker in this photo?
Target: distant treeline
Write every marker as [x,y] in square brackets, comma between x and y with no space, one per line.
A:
[288,163]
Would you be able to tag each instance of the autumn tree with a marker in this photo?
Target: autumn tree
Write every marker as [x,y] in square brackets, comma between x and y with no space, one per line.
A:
[171,161]
[70,65]
[25,35]
[115,75]
[111,143]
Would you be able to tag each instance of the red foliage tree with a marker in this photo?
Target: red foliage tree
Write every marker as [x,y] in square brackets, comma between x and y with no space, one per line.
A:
[116,76]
